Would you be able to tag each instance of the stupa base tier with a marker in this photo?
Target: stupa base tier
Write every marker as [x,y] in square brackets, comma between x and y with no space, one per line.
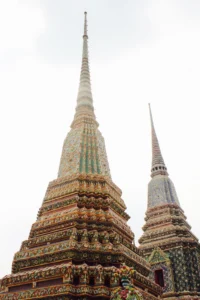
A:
[82,219]
[88,184]
[69,280]
[67,292]
[172,251]
[186,295]
[91,232]
[106,257]
[84,295]
[167,245]
[64,291]
[79,235]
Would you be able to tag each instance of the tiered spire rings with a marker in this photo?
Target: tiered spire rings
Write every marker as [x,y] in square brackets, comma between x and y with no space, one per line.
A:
[84,149]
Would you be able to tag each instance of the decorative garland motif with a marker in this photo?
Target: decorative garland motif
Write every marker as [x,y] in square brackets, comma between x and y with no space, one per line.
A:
[128,291]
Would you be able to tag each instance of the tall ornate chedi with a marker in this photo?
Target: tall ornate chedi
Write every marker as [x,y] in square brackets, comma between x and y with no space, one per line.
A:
[81,247]
[167,242]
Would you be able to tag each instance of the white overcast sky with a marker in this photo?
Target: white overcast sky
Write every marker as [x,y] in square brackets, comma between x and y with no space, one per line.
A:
[141,51]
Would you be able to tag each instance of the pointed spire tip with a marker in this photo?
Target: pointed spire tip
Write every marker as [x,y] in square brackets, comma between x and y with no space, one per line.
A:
[84,98]
[158,165]
[151,117]
[85,24]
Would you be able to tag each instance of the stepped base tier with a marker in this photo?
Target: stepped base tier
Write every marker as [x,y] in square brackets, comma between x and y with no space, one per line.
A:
[80,246]
[168,245]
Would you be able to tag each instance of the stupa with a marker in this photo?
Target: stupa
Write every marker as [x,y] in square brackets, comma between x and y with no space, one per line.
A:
[167,242]
[80,246]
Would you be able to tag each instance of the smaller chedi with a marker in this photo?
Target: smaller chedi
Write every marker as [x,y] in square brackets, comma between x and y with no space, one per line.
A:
[167,242]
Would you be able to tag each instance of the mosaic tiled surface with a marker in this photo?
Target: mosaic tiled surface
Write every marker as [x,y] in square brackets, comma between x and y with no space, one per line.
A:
[84,152]
[160,260]
[71,153]
[161,191]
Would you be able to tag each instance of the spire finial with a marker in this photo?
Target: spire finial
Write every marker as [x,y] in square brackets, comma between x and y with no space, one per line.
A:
[158,165]
[84,98]
[85,23]
[151,118]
